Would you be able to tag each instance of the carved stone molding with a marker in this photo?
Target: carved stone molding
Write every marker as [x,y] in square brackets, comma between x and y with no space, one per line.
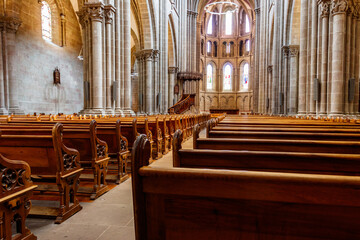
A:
[146,54]
[189,76]
[270,69]
[339,6]
[95,11]
[324,8]
[285,50]
[294,50]
[173,70]
[192,13]
[109,12]
[257,11]
[10,24]
[356,10]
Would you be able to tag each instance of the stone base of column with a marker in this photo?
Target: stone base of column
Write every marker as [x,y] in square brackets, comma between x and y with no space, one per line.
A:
[109,112]
[129,112]
[3,111]
[16,111]
[119,112]
[91,111]
[336,115]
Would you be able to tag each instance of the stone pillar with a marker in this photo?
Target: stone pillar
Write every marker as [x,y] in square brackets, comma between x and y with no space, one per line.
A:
[9,101]
[268,105]
[109,13]
[257,67]
[293,82]
[127,58]
[3,107]
[313,62]
[172,82]
[325,10]
[95,13]
[303,57]
[338,9]
[284,91]
[118,60]
[357,60]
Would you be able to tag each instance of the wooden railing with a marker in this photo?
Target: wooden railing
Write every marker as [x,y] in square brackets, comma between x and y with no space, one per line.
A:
[184,104]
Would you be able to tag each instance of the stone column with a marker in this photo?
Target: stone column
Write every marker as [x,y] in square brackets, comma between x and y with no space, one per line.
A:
[109,13]
[286,52]
[96,14]
[293,82]
[257,67]
[357,59]
[268,105]
[3,108]
[118,60]
[148,91]
[338,9]
[303,57]
[172,82]
[127,58]
[9,84]
[313,62]
[155,73]
[325,10]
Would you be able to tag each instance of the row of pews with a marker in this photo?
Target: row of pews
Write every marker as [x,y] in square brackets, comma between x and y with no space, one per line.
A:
[253,177]
[68,156]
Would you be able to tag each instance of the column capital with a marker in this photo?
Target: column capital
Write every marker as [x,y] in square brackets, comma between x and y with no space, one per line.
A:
[270,69]
[146,54]
[173,70]
[10,24]
[286,51]
[109,11]
[95,11]
[294,50]
[257,11]
[339,6]
[192,13]
[356,10]
[324,8]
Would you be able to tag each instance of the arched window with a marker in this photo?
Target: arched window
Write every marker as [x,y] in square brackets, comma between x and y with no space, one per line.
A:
[209,77]
[227,76]
[208,47]
[245,83]
[210,26]
[228,23]
[247,24]
[228,48]
[247,45]
[46,21]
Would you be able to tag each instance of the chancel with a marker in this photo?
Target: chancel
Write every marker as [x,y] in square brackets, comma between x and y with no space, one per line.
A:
[179,119]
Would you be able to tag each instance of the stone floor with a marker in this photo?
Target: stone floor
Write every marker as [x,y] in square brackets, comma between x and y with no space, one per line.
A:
[108,217]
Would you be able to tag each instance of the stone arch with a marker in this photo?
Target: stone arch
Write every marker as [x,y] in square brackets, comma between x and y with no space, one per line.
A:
[202,103]
[245,105]
[215,102]
[172,42]
[231,103]
[208,101]
[147,23]
[239,102]
[223,102]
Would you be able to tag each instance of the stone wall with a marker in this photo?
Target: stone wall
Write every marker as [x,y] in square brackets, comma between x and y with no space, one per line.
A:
[36,60]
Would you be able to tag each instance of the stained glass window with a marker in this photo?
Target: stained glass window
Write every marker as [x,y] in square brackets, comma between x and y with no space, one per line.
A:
[209,76]
[227,77]
[246,77]
[247,24]
[228,23]
[210,26]
[46,21]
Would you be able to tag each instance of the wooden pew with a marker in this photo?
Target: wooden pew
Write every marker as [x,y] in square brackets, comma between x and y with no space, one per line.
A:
[16,190]
[50,160]
[183,203]
[93,151]
[273,161]
[110,132]
[278,145]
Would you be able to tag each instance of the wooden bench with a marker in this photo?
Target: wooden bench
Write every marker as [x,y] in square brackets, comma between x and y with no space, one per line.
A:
[108,132]
[184,203]
[16,190]
[93,151]
[278,145]
[50,160]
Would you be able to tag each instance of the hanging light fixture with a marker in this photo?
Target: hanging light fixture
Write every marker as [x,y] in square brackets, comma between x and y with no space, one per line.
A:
[233,7]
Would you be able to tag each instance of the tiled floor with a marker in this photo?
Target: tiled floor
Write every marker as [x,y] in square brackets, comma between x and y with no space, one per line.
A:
[108,217]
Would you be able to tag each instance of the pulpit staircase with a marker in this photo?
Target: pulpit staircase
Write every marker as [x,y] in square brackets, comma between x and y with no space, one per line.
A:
[183,105]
